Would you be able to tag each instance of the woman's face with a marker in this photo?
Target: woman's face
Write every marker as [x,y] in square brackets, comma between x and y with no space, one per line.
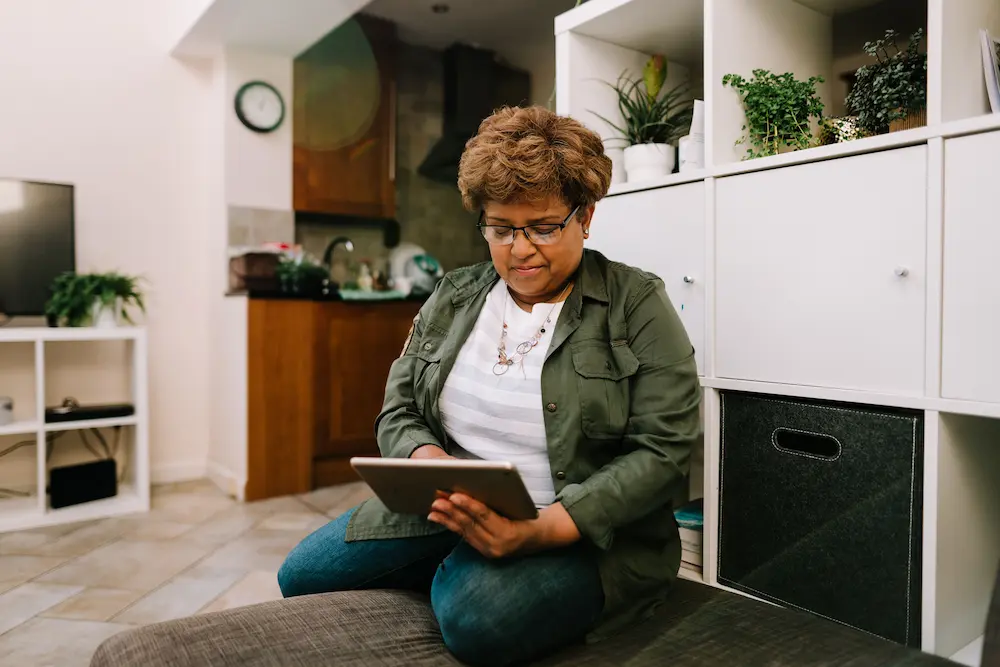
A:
[537,272]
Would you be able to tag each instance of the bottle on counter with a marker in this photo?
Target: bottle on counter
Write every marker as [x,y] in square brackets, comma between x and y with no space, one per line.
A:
[365,281]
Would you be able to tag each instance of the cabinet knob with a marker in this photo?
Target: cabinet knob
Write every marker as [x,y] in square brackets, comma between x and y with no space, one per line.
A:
[689,280]
[902,271]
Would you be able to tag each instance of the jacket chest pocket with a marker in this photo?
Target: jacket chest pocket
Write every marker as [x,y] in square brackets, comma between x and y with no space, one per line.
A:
[603,374]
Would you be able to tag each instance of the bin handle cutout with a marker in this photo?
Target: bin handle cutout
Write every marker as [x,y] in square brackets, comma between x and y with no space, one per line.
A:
[804,443]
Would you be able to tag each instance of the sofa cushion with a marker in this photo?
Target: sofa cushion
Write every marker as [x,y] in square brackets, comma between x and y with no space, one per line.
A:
[359,628]
[699,626]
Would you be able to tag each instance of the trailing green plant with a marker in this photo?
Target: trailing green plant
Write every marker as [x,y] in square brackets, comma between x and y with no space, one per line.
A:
[299,274]
[75,295]
[892,87]
[651,115]
[779,111]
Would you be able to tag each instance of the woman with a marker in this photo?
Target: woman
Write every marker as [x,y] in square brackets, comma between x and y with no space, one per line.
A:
[576,369]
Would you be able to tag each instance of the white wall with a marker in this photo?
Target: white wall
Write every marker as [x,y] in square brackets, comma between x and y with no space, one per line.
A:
[92,97]
[256,172]
[258,166]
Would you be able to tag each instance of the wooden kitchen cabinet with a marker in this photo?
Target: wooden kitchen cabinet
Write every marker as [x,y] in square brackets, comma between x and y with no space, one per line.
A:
[316,382]
[361,342]
[344,129]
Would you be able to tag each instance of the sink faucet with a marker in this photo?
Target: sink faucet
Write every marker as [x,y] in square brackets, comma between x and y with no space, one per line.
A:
[328,253]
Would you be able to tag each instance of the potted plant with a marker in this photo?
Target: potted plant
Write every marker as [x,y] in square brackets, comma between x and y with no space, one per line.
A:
[299,274]
[779,111]
[652,121]
[891,94]
[96,299]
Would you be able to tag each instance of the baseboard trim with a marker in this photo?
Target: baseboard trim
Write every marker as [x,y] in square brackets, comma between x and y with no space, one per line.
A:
[168,473]
[227,480]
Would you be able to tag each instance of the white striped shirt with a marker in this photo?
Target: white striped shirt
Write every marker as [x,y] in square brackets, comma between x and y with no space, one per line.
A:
[499,417]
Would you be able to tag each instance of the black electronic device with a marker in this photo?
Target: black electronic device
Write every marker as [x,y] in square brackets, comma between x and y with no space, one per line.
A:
[72,485]
[36,243]
[70,411]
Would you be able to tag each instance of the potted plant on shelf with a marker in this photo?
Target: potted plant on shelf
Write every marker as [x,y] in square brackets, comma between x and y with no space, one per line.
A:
[96,299]
[652,121]
[299,274]
[891,94]
[779,110]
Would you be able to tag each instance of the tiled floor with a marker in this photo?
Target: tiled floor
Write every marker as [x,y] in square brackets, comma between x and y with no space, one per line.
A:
[63,590]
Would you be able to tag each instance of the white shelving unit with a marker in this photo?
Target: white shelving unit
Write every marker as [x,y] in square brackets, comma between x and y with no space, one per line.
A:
[861,272]
[20,513]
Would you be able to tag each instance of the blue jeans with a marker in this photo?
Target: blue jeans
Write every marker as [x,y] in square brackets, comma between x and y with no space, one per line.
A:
[491,612]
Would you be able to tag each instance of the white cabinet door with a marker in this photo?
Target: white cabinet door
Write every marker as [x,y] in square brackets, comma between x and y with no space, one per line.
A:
[821,273]
[970,336]
[661,231]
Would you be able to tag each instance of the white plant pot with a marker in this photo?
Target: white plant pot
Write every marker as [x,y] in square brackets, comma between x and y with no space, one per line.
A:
[646,162]
[106,317]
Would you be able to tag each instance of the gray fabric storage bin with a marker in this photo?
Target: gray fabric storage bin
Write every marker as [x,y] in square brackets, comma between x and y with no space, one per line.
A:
[821,509]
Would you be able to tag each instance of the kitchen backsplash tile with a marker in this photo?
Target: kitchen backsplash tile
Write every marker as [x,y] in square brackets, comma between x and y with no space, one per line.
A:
[254,226]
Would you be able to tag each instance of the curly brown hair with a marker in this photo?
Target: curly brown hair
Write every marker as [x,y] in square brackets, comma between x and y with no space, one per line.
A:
[528,154]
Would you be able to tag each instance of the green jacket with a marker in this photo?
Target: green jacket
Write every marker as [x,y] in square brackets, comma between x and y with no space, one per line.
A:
[621,397]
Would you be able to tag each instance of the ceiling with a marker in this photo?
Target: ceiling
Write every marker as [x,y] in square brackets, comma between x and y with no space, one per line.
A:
[500,25]
[837,6]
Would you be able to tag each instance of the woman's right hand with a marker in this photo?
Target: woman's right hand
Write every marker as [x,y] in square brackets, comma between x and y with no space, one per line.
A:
[430,452]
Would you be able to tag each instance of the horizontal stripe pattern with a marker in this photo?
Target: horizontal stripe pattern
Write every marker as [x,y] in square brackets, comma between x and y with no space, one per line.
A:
[499,417]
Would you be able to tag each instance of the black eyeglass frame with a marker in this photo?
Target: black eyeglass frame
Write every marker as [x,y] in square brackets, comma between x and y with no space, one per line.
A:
[524,230]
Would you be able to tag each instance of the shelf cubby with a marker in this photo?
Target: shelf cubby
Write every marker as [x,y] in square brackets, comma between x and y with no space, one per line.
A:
[961,528]
[955,64]
[75,443]
[17,381]
[601,39]
[19,475]
[806,37]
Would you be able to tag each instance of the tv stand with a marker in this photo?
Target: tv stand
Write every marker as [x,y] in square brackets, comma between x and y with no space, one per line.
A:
[34,510]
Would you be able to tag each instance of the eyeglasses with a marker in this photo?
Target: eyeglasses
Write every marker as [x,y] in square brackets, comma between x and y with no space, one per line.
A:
[544,234]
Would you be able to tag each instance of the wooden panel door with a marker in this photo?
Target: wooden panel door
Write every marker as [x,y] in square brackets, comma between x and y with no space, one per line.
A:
[661,231]
[821,273]
[364,340]
[970,363]
[344,132]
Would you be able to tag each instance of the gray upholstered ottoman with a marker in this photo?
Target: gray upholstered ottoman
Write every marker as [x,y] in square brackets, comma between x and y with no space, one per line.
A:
[700,626]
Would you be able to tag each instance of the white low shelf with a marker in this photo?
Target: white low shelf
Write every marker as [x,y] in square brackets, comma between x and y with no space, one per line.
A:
[21,513]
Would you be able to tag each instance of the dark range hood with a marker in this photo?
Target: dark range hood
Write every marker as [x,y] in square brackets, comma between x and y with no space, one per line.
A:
[475,84]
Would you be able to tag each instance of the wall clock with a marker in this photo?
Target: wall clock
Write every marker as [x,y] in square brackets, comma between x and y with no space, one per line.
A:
[259,106]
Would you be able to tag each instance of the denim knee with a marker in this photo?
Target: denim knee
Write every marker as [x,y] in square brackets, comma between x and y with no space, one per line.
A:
[472,638]
[288,581]
[305,570]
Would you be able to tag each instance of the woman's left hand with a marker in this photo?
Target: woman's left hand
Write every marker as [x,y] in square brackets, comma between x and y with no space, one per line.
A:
[495,536]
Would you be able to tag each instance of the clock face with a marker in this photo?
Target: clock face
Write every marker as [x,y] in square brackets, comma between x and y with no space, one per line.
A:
[259,106]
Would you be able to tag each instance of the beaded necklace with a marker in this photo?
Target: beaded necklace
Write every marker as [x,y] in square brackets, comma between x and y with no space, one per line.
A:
[504,362]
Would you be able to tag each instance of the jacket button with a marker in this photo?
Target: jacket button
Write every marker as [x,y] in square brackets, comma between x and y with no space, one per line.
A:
[427,346]
[551,407]
[560,475]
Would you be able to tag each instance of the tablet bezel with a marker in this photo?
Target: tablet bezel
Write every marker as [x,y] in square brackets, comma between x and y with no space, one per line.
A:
[409,486]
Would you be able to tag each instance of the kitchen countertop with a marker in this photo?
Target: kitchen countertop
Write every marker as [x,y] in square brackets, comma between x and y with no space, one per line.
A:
[333,297]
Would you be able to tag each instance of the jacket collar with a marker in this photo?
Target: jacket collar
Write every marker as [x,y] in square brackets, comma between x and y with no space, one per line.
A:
[591,282]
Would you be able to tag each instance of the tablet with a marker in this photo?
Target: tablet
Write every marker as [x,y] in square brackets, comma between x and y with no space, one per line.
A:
[409,486]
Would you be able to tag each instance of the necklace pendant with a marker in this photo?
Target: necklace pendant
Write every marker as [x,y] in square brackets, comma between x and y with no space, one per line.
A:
[500,368]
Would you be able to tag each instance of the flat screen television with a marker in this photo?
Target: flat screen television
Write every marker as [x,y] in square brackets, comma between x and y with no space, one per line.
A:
[36,243]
